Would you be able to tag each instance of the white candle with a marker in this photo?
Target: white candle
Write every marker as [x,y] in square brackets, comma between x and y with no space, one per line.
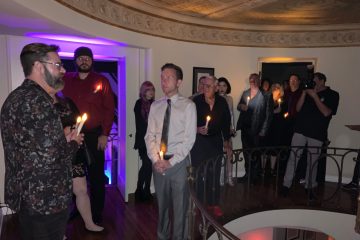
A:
[247,101]
[78,120]
[208,118]
[83,119]
[161,153]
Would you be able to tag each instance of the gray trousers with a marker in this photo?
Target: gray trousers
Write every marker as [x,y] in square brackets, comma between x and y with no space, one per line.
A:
[172,191]
[313,155]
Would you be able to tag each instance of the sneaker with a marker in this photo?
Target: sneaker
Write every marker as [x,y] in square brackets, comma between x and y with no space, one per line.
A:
[350,186]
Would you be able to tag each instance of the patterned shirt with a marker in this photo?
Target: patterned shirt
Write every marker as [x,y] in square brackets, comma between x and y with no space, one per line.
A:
[38,177]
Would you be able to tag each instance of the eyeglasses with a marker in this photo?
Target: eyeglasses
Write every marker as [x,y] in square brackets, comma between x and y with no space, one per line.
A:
[57,65]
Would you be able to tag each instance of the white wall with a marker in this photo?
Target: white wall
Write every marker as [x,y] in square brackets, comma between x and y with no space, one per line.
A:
[235,63]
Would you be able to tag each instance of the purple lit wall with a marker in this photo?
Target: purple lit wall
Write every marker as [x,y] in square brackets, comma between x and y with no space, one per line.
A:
[122,125]
[103,49]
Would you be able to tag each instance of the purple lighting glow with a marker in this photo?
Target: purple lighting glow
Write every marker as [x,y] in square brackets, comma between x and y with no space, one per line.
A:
[96,56]
[75,39]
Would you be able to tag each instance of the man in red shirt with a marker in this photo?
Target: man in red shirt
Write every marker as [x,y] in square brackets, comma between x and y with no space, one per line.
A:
[92,94]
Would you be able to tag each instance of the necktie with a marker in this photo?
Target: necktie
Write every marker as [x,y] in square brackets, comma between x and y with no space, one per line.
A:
[165,129]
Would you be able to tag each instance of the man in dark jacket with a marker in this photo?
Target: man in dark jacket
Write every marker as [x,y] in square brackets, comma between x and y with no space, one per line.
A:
[255,116]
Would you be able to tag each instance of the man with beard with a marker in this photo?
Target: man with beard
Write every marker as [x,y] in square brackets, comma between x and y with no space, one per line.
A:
[91,92]
[37,153]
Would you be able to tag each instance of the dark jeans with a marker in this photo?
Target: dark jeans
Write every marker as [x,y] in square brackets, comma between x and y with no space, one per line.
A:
[145,171]
[96,175]
[252,158]
[43,227]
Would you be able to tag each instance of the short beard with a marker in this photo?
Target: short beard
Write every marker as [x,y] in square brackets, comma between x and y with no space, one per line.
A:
[55,82]
[82,70]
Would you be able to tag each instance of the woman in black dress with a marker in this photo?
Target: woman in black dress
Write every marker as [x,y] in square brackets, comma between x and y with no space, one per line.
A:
[141,110]
[68,113]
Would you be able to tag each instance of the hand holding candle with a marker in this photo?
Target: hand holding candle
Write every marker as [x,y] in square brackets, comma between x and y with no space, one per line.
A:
[78,120]
[81,124]
[208,118]
[247,101]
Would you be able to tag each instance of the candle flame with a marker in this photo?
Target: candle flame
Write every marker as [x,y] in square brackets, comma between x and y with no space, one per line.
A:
[98,88]
[279,100]
[84,117]
[78,120]
[208,118]
[161,153]
[248,98]
[286,115]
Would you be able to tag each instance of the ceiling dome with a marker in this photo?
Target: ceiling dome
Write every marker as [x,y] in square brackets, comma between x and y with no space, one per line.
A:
[255,23]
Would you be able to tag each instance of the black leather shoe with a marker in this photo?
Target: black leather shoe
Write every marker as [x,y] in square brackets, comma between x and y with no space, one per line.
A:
[284,191]
[147,196]
[139,195]
[310,194]
[351,186]
[243,178]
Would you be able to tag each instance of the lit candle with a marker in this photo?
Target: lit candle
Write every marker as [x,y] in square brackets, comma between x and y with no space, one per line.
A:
[161,153]
[83,119]
[286,115]
[98,88]
[208,118]
[247,101]
[78,120]
[279,102]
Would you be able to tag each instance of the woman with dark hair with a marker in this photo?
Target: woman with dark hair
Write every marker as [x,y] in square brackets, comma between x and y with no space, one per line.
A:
[141,110]
[275,136]
[225,89]
[68,113]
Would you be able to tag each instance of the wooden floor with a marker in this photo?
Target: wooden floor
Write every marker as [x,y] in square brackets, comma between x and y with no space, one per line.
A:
[137,221]
[122,221]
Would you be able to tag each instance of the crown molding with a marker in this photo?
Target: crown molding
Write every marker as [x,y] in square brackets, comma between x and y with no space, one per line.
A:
[119,15]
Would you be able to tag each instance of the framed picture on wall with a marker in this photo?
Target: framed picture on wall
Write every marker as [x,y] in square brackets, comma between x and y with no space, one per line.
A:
[198,72]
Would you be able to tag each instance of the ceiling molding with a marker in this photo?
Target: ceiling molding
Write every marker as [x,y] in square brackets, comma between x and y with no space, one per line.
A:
[113,13]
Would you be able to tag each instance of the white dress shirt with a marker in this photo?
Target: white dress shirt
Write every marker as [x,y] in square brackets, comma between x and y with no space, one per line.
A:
[182,128]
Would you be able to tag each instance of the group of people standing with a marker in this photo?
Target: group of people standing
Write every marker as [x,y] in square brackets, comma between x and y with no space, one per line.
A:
[47,158]
[200,129]
[47,155]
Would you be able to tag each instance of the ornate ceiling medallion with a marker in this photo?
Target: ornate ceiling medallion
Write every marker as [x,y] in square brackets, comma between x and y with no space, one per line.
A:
[116,14]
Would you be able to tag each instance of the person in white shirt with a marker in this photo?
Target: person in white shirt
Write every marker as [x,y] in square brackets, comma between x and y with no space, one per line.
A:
[170,174]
